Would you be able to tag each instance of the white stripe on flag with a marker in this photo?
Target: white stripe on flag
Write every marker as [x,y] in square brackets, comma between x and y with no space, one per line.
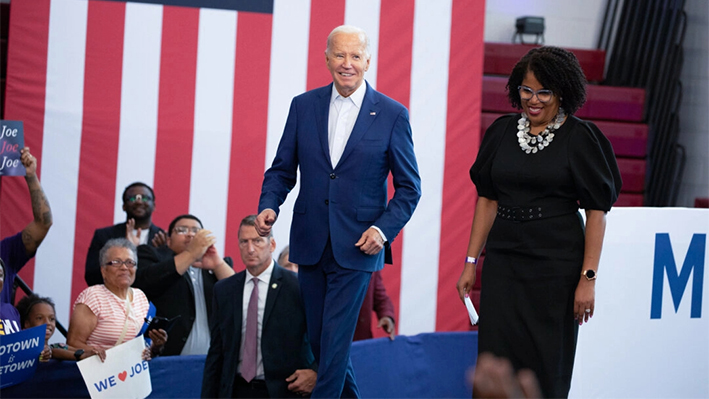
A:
[139,99]
[214,99]
[62,143]
[429,92]
[288,77]
[365,14]
[63,118]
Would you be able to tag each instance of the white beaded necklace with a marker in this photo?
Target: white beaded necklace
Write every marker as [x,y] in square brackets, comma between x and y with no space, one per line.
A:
[530,143]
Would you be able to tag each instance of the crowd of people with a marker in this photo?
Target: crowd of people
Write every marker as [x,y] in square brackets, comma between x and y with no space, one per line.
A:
[284,328]
[176,271]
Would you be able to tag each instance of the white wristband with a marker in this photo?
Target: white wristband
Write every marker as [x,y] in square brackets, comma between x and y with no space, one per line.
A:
[470,259]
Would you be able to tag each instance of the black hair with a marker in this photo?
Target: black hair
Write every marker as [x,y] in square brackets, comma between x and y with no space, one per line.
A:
[557,70]
[177,219]
[137,184]
[24,307]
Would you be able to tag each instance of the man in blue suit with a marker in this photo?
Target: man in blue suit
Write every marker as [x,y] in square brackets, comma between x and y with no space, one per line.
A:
[346,138]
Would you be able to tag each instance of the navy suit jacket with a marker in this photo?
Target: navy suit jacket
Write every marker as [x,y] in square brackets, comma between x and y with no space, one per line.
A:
[344,201]
[92,273]
[284,346]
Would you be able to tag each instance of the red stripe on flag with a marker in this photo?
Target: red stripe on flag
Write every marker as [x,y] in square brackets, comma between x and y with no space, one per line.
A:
[325,15]
[100,128]
[462,142]
[250,120]
[396,34]
[176,102]
[26,82]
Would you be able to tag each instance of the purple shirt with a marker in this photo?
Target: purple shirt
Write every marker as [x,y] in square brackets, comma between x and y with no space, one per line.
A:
[9,319]
[13,253]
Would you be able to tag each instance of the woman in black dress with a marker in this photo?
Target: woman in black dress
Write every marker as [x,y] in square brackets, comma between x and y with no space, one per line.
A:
[532,173]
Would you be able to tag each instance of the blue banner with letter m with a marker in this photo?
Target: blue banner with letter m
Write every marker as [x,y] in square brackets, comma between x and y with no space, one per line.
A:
[665,260]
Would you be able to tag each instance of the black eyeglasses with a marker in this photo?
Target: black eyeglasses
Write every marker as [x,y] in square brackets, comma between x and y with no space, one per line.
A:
[526,94]
[140,197]
[117,263]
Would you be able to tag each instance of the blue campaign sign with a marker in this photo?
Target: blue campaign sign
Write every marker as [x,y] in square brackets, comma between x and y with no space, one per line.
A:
[19,354]
[12,140]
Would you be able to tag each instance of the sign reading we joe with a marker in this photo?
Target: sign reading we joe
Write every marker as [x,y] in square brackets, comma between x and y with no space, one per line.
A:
[124,374]
[12,140]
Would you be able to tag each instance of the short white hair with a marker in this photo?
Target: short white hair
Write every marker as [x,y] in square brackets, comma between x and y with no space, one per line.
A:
[349,29]
[116,243]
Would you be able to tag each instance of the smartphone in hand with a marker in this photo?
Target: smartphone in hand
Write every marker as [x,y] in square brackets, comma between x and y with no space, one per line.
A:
[158,323]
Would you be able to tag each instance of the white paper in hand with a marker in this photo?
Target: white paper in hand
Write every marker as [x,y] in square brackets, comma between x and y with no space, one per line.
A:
[471,311]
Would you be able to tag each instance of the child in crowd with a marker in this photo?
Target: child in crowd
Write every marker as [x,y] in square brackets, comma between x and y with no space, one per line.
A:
[35,311]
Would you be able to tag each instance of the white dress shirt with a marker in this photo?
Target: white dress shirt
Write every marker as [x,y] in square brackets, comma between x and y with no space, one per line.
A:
[342,118]
[144,233]
[264,280]
[198,340]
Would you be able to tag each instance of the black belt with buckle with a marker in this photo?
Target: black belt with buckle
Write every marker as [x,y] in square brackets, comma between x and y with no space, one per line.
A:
[536,212]
[253,384]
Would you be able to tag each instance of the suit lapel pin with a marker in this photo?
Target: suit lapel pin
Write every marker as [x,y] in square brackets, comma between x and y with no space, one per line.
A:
[372,113]
[274,285]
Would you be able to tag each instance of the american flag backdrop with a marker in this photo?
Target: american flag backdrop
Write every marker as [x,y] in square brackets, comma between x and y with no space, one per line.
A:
[193,102]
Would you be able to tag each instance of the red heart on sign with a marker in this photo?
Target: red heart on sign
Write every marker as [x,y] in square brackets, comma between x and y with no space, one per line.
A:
[122,376]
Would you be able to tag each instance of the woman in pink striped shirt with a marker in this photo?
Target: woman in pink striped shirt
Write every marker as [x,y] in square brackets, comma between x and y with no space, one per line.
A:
[112,313]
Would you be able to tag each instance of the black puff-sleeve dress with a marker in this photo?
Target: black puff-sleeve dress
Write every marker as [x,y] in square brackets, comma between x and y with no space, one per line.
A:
[535,248]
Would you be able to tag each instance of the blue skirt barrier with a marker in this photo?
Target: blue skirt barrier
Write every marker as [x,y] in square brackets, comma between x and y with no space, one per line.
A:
[422,366]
